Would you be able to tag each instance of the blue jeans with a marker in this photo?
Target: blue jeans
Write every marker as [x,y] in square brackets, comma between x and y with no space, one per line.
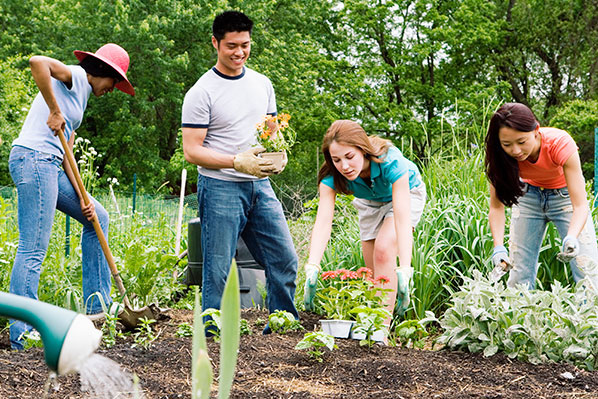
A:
[528,223]
[250,209]
[43,187]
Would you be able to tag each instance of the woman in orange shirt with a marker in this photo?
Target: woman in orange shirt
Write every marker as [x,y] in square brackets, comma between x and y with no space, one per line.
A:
[536,171]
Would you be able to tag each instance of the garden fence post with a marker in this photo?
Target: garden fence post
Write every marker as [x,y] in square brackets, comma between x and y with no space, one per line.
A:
[134,190]
[67,236]
[179,221]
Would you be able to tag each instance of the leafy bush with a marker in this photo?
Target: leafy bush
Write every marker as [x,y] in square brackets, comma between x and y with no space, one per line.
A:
[536,326]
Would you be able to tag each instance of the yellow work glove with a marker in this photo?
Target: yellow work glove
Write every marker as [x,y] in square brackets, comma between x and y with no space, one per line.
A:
[248,162]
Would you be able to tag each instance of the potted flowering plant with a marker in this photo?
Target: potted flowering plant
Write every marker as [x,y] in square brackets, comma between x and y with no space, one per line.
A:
[277,137]
[347,290]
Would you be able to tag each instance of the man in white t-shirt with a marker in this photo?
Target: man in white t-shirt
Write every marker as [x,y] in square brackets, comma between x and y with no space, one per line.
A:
[219,118]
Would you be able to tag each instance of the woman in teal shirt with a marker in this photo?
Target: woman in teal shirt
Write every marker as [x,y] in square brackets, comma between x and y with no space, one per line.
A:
[389,197]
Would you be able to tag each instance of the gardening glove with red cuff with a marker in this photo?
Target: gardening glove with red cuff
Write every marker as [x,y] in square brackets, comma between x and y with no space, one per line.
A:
[311,281]
[404,275]
[570,249]
[248,162]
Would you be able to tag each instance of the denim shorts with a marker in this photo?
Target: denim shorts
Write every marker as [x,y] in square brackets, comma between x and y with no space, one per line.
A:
[372,213]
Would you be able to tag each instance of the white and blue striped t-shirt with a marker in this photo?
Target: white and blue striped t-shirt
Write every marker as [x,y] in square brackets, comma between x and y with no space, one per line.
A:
[230,107]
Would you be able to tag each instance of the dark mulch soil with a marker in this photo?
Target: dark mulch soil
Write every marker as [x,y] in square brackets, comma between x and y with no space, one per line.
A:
[270,367]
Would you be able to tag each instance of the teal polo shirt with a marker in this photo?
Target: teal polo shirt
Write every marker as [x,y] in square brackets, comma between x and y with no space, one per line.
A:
[382,177]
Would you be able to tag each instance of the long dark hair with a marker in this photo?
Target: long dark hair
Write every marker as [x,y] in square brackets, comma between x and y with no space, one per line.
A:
[347,132]
[501,169]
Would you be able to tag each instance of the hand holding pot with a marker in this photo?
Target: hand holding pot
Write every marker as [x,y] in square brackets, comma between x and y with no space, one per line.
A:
[248,162]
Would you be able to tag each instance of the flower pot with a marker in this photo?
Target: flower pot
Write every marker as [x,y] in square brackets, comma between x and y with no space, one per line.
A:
[279,159]
[337,328]
[377,335]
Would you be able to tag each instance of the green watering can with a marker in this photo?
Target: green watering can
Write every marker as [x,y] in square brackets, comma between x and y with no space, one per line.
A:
[69,338]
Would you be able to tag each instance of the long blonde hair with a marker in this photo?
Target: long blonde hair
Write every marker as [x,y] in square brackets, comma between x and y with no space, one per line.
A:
[351,133]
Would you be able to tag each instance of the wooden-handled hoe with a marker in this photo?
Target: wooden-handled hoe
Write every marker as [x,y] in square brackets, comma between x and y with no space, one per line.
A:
[128,316]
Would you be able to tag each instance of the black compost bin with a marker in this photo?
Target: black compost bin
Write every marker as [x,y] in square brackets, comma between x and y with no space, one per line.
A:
[251,273]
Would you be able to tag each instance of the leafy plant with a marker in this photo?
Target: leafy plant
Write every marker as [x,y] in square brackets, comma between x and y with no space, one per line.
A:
[348,290]
[314,342]
[184,330]
[109,331]
[259,322]
[534,326]
[144,335]
[272,139]
[86,157]
[201,367]
[244,328]
[213,324]
[32,339]
[282,322]
[370,320]
[410,334]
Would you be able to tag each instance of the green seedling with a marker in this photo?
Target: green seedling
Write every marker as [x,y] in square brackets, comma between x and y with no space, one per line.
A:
[315,342]
[244,327]
[370,320]
[184,330]
[282,322]
[144,335]
[259,322]
[109,331]
[214,323]
[410,334]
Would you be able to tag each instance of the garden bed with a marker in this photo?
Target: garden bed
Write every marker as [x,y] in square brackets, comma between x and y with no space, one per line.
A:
[270,367]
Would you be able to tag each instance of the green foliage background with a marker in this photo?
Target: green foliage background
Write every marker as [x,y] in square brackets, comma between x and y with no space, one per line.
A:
[404,69]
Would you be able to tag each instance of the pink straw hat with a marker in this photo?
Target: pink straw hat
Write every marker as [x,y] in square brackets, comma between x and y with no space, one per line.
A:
[115,56]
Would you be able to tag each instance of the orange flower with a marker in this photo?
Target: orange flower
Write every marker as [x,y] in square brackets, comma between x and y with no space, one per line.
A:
[284,138]
[331,274]
[364,272]
[382,280]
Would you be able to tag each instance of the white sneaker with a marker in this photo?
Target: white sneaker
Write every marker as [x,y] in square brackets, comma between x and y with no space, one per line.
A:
[115,309]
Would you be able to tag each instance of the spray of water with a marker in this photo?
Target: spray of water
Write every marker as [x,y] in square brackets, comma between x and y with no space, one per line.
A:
[51,382]
[103,378]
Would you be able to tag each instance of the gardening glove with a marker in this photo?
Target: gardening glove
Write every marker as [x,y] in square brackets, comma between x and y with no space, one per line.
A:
[501,262]
[404,275]
[248,162]
[570,249]
[499,256]
[311,281]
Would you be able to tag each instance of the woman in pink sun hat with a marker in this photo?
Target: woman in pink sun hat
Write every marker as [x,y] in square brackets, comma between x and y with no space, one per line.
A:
[45,183]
